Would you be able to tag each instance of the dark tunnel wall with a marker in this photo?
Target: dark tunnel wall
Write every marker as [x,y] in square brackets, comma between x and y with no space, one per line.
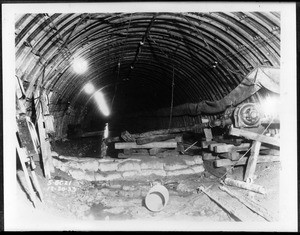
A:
[140,61]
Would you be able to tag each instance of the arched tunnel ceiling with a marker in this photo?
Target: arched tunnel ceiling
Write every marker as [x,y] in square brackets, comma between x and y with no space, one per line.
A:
[137,58]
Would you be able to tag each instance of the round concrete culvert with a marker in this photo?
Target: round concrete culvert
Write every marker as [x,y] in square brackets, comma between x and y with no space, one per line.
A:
[157,198]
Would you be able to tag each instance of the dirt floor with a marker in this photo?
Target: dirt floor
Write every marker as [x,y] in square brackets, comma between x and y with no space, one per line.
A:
[66,199]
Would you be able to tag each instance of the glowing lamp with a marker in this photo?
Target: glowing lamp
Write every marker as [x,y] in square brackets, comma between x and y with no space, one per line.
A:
[79,65]
[270,106]
[99,98]
[89,88]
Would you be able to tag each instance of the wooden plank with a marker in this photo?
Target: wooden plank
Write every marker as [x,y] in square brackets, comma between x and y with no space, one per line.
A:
[22,157]
[171,130]
[260,159]
[133,145]
[224,204]
[268,151]
[230,147]
[254,136]
[126,136]
[155,138]
[249,203]
[251,165]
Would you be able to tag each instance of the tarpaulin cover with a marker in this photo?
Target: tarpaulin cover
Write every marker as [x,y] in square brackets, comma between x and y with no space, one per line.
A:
[263,76]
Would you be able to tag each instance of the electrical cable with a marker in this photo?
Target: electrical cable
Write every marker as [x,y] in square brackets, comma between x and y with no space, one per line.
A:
[172,99]
[119,63]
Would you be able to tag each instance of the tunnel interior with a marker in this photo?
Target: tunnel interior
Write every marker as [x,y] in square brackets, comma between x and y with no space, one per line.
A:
[141,62]
[186,83]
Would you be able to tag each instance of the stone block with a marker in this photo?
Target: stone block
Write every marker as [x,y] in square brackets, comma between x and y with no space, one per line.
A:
[152,165]
[90,176]
[113,176]
[129,166]
[185,171]
[154,172]
[99,177]
[91,165]
[174,166]
[198,159]
[77,174]
[108,166]
[129,173]
[197,168]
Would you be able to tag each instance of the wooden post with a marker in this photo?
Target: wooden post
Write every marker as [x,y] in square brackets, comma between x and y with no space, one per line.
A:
[251,165]
[45,146]
[208,134]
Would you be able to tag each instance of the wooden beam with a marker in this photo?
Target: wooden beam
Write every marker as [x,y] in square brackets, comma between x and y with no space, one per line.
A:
[211,146]
[224,204]
[133,145]
[170,131]
[249,203]
[155,138]
[260,159]
[254,136]
[241,184]
[234,155]
[230,148]
[205,144]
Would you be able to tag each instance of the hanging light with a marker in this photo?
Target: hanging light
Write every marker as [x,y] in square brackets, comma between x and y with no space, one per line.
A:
[80,65]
